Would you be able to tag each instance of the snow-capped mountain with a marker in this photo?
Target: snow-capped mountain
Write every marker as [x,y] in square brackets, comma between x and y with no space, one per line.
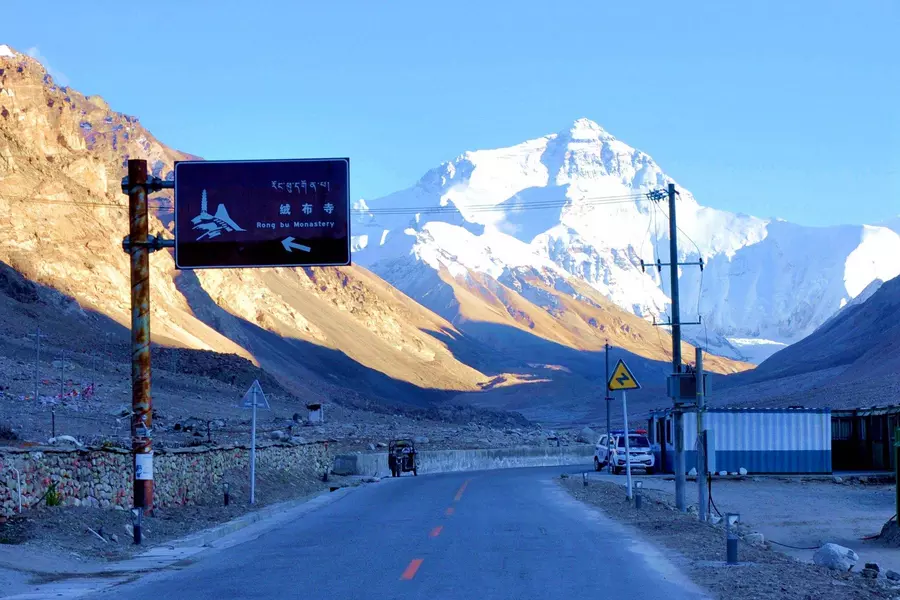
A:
[574,206]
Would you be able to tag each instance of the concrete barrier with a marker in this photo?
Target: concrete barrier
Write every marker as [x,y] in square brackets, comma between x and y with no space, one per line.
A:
[445,461]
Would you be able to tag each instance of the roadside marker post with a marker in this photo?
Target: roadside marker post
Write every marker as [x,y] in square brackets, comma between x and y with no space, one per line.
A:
[731,538]
[623,380]
[137,519]
[253,399]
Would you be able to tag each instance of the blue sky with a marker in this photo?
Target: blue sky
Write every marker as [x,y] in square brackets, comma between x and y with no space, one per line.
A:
[771,108]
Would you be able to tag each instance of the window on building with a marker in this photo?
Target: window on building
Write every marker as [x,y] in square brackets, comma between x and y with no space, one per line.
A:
[841,429]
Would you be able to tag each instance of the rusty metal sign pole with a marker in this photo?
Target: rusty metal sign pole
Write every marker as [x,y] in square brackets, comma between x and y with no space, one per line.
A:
[139,244]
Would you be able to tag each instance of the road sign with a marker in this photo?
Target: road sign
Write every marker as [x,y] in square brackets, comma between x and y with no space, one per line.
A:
[285,213]
[622,379]
[255,393]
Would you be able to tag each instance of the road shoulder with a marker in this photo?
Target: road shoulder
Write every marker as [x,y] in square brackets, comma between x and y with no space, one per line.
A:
[71,579]
[699,548]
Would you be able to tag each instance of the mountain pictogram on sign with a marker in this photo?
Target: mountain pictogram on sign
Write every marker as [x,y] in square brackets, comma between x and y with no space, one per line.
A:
[622,379]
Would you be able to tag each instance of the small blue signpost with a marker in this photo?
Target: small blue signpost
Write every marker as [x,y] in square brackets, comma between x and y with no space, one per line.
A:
[285,213]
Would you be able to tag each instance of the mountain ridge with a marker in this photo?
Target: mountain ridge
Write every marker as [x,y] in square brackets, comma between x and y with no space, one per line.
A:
[849,362]
[575,203]
[63,215]
[326,333]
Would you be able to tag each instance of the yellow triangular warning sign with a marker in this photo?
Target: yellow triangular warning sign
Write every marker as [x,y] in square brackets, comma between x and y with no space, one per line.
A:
[622,379]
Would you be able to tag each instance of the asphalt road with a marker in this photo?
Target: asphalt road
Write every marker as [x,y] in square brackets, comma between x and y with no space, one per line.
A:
[511,534]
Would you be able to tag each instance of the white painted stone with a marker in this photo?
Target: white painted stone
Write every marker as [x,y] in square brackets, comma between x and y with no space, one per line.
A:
[836,557]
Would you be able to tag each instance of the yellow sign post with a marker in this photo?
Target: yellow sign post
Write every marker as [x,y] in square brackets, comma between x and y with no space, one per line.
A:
[623,380]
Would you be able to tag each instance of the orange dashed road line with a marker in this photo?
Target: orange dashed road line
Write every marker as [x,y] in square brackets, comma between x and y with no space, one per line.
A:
[462,489]
[436,531]
[410,571]
[449,511]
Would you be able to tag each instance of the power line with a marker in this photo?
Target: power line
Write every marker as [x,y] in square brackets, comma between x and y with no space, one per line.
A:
[700,293]
[682,232]
[705,329]
[650,222]
[85,204]
[164,204]
[653,208]
[585,200]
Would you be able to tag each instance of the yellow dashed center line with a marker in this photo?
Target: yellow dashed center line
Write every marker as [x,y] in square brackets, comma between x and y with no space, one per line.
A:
[410,571]
[461,490]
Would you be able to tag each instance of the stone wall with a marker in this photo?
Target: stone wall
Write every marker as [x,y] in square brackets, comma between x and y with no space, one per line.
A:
[102,476]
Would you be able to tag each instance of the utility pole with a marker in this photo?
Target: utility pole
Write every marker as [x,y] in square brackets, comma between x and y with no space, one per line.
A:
[138,244]
[702,498]
[680,475]
[62,391]
[62,375]
[37,361]
[608,400]
[141,402]
[676,323]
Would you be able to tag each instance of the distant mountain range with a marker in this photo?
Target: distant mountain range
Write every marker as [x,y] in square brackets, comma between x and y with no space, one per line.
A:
[326,333]
[573,206]
[498,278]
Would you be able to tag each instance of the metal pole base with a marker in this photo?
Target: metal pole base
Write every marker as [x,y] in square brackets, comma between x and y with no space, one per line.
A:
[731,551]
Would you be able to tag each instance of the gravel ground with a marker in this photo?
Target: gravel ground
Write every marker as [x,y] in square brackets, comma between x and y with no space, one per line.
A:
[195,407]
[64,531]
[700,549]
[779,508]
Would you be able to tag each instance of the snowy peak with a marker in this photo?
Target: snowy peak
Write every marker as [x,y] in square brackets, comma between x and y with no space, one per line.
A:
[585,130]
[574,205]
[6,51]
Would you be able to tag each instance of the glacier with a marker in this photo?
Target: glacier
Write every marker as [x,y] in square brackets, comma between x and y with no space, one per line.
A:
[574,204]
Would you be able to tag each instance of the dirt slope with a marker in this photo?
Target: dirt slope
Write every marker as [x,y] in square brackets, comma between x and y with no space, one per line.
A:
[853,360]
[63,216]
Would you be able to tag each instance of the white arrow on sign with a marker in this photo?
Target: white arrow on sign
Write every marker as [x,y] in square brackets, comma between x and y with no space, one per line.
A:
[288,243]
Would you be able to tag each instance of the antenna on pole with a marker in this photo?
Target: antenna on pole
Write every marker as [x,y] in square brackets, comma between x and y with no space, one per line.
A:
[203,203]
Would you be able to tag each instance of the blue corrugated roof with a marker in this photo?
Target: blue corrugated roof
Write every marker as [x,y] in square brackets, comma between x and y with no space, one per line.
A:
[738,409]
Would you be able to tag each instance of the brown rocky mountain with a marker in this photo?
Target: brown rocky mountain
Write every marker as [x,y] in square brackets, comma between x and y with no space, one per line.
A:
[63,216]
[852,360]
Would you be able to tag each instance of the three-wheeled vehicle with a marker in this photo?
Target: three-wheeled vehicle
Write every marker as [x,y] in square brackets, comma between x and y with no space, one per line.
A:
[402,457]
